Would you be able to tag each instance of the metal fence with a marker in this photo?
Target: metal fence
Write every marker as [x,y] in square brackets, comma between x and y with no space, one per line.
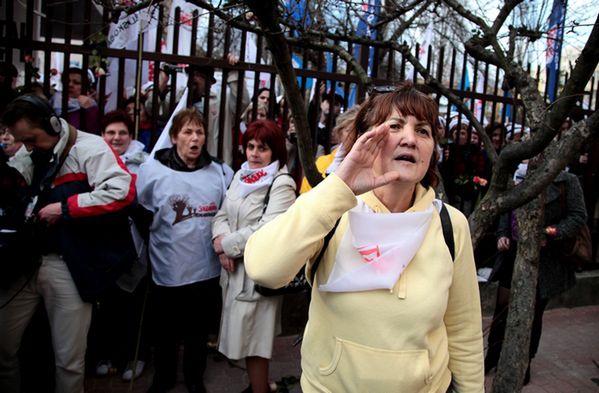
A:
[35,31]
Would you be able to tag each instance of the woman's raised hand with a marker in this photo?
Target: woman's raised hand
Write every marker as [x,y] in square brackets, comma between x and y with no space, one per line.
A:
[357,170]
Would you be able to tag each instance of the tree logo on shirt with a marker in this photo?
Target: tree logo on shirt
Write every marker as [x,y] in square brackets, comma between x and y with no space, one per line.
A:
[184,210]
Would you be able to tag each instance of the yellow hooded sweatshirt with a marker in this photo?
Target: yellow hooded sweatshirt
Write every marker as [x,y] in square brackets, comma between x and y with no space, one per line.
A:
[418,337]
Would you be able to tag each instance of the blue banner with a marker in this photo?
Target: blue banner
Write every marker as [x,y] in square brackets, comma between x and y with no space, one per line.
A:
[464,86]
[297,11]
[555,37]
[368,16]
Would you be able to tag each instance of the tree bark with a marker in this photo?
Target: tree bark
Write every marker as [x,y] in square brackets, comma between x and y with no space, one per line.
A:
[268,17]
[513,360]
[500,199]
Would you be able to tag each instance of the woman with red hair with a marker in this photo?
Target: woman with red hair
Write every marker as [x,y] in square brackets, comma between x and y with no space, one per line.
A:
[261,190]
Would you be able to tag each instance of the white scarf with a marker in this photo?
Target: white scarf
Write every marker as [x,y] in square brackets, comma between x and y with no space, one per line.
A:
[135,147]
[520,173]
[339,156]
[251,180]
[376,249]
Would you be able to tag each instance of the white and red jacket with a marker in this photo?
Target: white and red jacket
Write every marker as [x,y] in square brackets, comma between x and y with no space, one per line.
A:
[94,188]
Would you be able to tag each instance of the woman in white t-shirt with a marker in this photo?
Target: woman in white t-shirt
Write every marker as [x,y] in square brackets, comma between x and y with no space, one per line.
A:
[183,187]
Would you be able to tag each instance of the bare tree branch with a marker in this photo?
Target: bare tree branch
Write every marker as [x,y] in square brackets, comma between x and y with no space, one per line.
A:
[234,21]
[586,63]
[340,51]
[399,11]
[505,11]
[555,159]
[547,124]
[407,23]
[457,7]
[454,99]
[269,20]
[512,43]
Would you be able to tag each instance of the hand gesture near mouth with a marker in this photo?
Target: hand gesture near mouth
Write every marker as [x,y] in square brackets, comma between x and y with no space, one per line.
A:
[357,171]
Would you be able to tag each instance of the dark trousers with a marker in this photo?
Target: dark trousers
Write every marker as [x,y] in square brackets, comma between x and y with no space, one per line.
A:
[115,326]
[497,332]
[185,312]
[134,303]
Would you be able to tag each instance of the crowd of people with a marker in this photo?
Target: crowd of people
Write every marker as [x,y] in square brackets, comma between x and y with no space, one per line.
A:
[134,249]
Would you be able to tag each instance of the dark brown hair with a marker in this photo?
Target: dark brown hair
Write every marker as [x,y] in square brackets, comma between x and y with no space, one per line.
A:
[408,101]
[187,115]
[117,116]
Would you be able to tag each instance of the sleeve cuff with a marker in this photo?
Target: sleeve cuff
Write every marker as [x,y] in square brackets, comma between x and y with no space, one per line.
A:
[230,246]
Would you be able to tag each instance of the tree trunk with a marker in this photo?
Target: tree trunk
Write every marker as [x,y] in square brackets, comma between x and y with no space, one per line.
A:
[268,18]
[515,351]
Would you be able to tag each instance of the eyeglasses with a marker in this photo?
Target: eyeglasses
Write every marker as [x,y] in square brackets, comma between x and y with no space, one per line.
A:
[382,89]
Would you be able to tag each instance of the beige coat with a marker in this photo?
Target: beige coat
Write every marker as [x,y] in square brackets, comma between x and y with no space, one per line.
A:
[249,321]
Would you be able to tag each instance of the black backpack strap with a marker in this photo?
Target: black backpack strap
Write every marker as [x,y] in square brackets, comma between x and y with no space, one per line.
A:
[327,239]
[267,197]
[447,230]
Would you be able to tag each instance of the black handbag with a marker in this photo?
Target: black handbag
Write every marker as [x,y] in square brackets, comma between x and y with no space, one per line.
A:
[20,251]
[21,234]
[578,250]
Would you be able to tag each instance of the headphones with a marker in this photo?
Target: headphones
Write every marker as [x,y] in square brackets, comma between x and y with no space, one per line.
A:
[51,121]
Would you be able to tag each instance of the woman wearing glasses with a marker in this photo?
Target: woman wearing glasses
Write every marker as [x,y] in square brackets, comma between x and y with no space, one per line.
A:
[391,309]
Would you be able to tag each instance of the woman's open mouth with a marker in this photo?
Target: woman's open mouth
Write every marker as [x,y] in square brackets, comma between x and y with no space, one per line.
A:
[406,157]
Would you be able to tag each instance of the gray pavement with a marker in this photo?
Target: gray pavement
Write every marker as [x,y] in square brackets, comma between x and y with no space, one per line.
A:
[567,362]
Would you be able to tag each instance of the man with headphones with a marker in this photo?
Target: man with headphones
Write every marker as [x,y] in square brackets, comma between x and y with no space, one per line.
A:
[81,191]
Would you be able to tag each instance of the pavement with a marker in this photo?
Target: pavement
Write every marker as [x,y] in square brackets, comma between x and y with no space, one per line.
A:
[568,357]
[567,361]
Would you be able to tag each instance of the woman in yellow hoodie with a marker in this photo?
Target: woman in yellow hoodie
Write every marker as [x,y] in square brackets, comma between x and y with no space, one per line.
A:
[391,310]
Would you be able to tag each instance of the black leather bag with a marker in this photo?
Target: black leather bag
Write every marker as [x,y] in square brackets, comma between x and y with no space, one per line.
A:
[20,252]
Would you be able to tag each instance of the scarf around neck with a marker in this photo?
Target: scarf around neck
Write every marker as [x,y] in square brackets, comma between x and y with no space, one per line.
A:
[339,156]
[251,180]
[377,248]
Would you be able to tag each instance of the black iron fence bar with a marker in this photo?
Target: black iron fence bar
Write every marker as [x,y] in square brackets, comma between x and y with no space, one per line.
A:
[238,156]
[67,57]
[223,99]
[390,65]
[156,88]
[209,51]
[47,39]
[440,69]
[256,87]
